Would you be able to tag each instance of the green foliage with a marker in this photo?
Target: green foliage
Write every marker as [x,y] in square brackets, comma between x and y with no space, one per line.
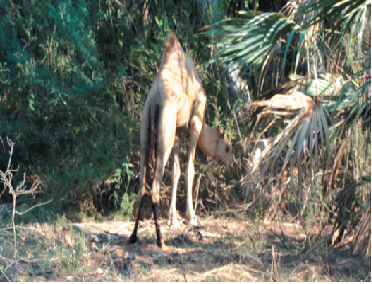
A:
[250,40]
[56,105]
[74,77]
[127,203]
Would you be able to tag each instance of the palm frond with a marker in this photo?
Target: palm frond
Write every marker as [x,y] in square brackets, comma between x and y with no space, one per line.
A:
[336,92]
[346,16]
[333,90]
[250,40]
[357,100]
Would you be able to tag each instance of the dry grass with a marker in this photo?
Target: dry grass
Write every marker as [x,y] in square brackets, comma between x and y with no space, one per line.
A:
[223,249]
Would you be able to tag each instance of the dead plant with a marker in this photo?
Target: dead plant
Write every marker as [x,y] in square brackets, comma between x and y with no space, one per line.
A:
[6,178]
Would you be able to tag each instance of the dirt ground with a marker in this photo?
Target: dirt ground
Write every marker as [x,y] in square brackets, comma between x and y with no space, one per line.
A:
[218,249]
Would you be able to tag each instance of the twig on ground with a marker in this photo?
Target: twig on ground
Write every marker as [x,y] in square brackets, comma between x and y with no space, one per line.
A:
[245,272]
[4,275]
[274,267]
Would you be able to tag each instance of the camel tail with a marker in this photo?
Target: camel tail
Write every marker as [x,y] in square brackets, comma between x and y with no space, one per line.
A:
[154,126]
[148,151]
[171,42]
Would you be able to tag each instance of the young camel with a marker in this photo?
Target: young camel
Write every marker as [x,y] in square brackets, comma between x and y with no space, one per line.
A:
[175,99]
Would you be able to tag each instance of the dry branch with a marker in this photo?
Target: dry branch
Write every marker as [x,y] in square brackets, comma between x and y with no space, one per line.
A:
[6,178]
[362,239]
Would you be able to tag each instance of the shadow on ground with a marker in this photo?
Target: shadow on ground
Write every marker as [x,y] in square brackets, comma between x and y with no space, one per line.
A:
[223,249]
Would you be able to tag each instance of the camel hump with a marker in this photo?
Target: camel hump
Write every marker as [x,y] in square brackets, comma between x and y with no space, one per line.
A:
[171,41]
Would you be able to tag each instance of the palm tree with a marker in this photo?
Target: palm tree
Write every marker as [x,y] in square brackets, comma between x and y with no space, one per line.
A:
[319,54]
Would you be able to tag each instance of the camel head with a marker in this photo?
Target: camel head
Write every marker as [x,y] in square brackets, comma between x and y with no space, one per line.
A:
[223,151]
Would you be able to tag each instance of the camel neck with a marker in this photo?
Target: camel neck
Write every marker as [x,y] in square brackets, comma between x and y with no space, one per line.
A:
[208,140]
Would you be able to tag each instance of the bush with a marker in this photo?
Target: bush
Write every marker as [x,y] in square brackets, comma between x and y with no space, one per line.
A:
[74,77]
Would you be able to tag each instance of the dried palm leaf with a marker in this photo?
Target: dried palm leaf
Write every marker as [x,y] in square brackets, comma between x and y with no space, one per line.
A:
[335,167]
[362,240]
[344,202]
[303,133]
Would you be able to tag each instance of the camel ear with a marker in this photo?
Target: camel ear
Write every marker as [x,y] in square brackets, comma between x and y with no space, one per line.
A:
[220,133]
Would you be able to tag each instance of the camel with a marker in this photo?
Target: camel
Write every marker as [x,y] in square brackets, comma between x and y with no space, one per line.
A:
[175,100]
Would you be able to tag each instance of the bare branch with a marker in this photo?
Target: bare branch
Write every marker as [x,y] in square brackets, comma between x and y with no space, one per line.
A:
[10,143]
[6,178]
[37,205]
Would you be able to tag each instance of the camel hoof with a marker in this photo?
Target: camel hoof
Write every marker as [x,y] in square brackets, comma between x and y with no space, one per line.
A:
[173,223]
[193,221]
[163,246]
[133,239]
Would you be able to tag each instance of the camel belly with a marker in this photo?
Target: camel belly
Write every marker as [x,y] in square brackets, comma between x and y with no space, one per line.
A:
[183,114]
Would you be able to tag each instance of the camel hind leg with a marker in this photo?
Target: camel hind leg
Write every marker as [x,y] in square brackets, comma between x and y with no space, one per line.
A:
[145,140]
[165,141]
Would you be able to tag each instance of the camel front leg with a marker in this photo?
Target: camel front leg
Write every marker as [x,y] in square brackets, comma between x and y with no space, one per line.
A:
[195,128]
[176,172]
